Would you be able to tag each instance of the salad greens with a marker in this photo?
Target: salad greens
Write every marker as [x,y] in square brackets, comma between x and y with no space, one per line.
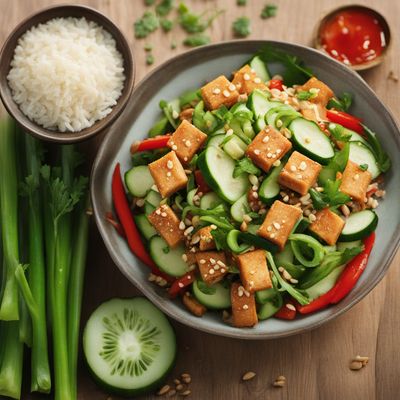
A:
[241,27]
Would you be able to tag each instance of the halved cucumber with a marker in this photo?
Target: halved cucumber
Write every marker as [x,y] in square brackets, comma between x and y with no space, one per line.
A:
[138,180]
[359,225]
[210,200]
[260,124]
[354,136]
[261,68]
[281,115]
[144,226]
[348,245]
[219,297]
[269,309]
[154,198]
[259,103]
[168,259]
[217,169]
[215,140]
[129,346]
[235,147]
[239,208]
[361,154]
[269,189]
[311,141]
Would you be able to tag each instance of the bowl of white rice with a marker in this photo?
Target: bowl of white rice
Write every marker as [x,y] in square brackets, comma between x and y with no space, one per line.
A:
[66,73]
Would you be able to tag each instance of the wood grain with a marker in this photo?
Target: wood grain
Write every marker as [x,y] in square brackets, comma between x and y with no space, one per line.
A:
[315,364]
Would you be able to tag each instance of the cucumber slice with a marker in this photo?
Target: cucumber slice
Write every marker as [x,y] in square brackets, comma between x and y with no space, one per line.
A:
[239,208]
[259,103]
[190,195]
[139,181]
[129,346]
[168,259]
[148,208]
[286,256]
[361,154]
[354,136]
[269,189]
[359,225]
[215,140]
[144,226]
[159,128]
[260,124]
[253,228]
[217,169]
[311,141]
[154,198]
[348,245]
[261,68]
[258,241]
[210,200]
[266,295]
[235,147]
[268,310]
[216,297]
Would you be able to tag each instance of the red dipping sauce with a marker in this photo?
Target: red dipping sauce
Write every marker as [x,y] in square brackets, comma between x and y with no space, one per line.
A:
[353,36]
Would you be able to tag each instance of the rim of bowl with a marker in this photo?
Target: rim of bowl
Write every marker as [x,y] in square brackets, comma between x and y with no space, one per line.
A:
[105,153]
[383,22]
[65,11]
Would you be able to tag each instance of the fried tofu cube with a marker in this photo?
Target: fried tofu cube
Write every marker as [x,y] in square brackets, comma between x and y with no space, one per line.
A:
[324,94]
[254,272]
[219,92]
[299,173]
[316,114]
[206,240]
[328,226]
[279,223]
[193,305]
[168,174]
[246,80]
[355,182]
[186,141]
[166,224]
[212,266]
[268,147]
[244,313]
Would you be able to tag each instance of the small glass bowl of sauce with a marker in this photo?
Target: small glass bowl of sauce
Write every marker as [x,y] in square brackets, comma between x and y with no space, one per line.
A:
[357,36]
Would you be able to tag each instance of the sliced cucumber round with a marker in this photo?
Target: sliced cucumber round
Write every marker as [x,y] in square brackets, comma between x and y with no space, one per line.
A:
[215,140]
[261,68]
[138,180]
[259,103]
[210,200]
[168,259]
[361,154]
[311,141]
[269,189]
[239,208]
[217,169]
[359,225]
[269,309]
[144,226]
[216,297]
[235,147]
[154,198]
[348,245]
[129,346]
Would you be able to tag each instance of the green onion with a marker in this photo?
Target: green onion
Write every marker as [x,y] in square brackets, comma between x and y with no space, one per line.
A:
[232,241]
[300,243]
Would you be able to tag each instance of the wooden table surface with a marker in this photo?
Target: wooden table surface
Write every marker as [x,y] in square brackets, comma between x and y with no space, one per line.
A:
[316,363]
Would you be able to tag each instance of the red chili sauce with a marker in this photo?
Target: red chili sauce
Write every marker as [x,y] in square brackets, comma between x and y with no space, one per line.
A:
[353,36]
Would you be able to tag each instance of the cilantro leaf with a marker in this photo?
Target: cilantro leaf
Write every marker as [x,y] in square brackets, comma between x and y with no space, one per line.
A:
[381,156]
[339,133]
[219,236]
[342,103]
[164,7]
[195,23]
[145,25]
[196,40]
[304,95]
[241,27]
[204,288]
[331,197]
[363,167]
[149,2]
[241,2]
[149,59]
[336,164]
[166,24]
[269,11]
[245,165]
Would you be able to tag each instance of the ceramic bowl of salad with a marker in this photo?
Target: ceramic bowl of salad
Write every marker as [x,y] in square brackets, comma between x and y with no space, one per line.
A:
[254,189]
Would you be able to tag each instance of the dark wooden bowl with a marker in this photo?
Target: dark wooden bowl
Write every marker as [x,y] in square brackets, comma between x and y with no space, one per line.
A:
[7,53]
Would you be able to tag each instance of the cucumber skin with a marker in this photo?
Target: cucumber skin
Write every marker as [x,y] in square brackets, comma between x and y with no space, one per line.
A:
[361,234]
[135,392]
[210,307]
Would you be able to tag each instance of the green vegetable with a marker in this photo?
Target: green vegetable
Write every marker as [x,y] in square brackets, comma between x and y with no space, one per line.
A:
[329,263]
[145,25]
[381,156]
[336,164]
[173,45]
[241,2]
[232,241]
[245,165]
[285,286]
[148,47]
[196,40]
[342,103]
[149,59]
[196,23]
[241,27]
[149,2]
[363,167]
[164,7]
[338,132]
[301,244]
[219,235]
[166,25]
[159,128]
[204,288]
[189,98]
[331,196]
[305,95]
[295,72]
[269,11]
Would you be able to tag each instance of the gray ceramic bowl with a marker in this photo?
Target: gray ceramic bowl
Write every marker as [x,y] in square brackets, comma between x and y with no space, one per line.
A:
[190,70]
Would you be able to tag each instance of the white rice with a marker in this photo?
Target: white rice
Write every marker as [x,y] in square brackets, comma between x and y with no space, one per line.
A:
[66,74]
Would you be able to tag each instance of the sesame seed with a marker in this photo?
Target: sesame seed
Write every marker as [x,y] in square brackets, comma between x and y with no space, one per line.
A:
[246,77]
[314,90]
[216,91]
[170,164]
[286,199]
[140,202]
[299,176]
[202,261]
[269,228]
[181,285]
[174,147]
[185,158]
[213,226]
[294,281]
[257,152]
[255,195]
[257,80]
[307,140]
[356,177]
[169,174]
[303,166]
[188,143]
[272,235]
[189,230]
[216,267]
[245,307]
[312,218]
[212,261]
[253,180]
[220,263]
[254,188]
[232,87]
[182,226]
[211,271]
[184,257]
[290,307]
[158,211]
[226,93]
[163,214]
[277,225]
[265,139]
[223,270]
[293,168]
[277,163]
[229,132]
[269,155]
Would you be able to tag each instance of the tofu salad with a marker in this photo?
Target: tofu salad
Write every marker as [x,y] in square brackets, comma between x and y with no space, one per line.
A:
[254,195]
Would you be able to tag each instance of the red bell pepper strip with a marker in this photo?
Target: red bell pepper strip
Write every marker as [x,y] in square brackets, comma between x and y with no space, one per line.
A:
[285,312]
[346,120]
[201,183]
[131,232]
[346,282]
[180,284]
[353,270]
[276,84]
[157,142]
